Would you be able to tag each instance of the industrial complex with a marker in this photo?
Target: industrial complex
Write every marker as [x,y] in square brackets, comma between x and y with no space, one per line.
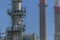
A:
[17,29]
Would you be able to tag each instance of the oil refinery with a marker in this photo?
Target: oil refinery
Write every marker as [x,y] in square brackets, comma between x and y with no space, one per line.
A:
[17,29]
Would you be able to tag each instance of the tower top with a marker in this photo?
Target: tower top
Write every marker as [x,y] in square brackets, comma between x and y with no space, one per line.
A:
[57,3]
[42,1]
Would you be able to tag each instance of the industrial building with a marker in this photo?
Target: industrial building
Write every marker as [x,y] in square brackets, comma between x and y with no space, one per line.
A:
[17,29]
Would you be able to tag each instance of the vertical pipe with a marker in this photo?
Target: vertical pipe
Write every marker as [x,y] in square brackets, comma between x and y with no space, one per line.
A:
[57,19]
[42,19]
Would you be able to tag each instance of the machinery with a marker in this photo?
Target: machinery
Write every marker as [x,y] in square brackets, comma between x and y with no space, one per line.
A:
[17,13]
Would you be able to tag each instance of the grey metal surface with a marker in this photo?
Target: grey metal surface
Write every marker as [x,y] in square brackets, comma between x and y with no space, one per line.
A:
[43,20]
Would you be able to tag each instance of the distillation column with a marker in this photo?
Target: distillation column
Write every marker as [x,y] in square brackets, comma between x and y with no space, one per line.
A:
[43,19]
[57,19]
[17,14]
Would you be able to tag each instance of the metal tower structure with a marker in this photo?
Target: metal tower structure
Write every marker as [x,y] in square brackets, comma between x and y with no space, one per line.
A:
[43,19]
[57,19]
[17,13]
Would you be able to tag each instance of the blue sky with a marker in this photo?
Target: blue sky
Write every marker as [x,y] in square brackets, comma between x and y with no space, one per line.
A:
[32,17]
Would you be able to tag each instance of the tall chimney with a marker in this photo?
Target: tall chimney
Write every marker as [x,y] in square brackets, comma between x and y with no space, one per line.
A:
[43,19]
[57,19]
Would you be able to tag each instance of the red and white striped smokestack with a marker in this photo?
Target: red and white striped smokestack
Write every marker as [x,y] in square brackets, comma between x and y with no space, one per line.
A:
[57,6]
[57,19]
[43,19]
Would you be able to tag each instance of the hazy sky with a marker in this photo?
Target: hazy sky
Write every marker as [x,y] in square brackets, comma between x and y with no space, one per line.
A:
[32,16]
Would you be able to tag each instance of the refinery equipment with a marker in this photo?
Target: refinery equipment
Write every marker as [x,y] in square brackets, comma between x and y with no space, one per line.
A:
[43,19]
[17,13]
[17,29]
[57,19]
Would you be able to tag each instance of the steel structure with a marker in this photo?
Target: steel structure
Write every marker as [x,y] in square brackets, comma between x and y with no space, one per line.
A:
[17,13]
[43,19]
[17,29]
[57,19]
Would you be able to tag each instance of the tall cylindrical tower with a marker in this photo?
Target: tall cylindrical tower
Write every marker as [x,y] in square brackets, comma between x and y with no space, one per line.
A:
[17,13]
[43,19]
[57,19]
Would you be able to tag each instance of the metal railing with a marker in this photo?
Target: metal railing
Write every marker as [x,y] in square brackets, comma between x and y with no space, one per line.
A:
[22,28]
[15,12]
